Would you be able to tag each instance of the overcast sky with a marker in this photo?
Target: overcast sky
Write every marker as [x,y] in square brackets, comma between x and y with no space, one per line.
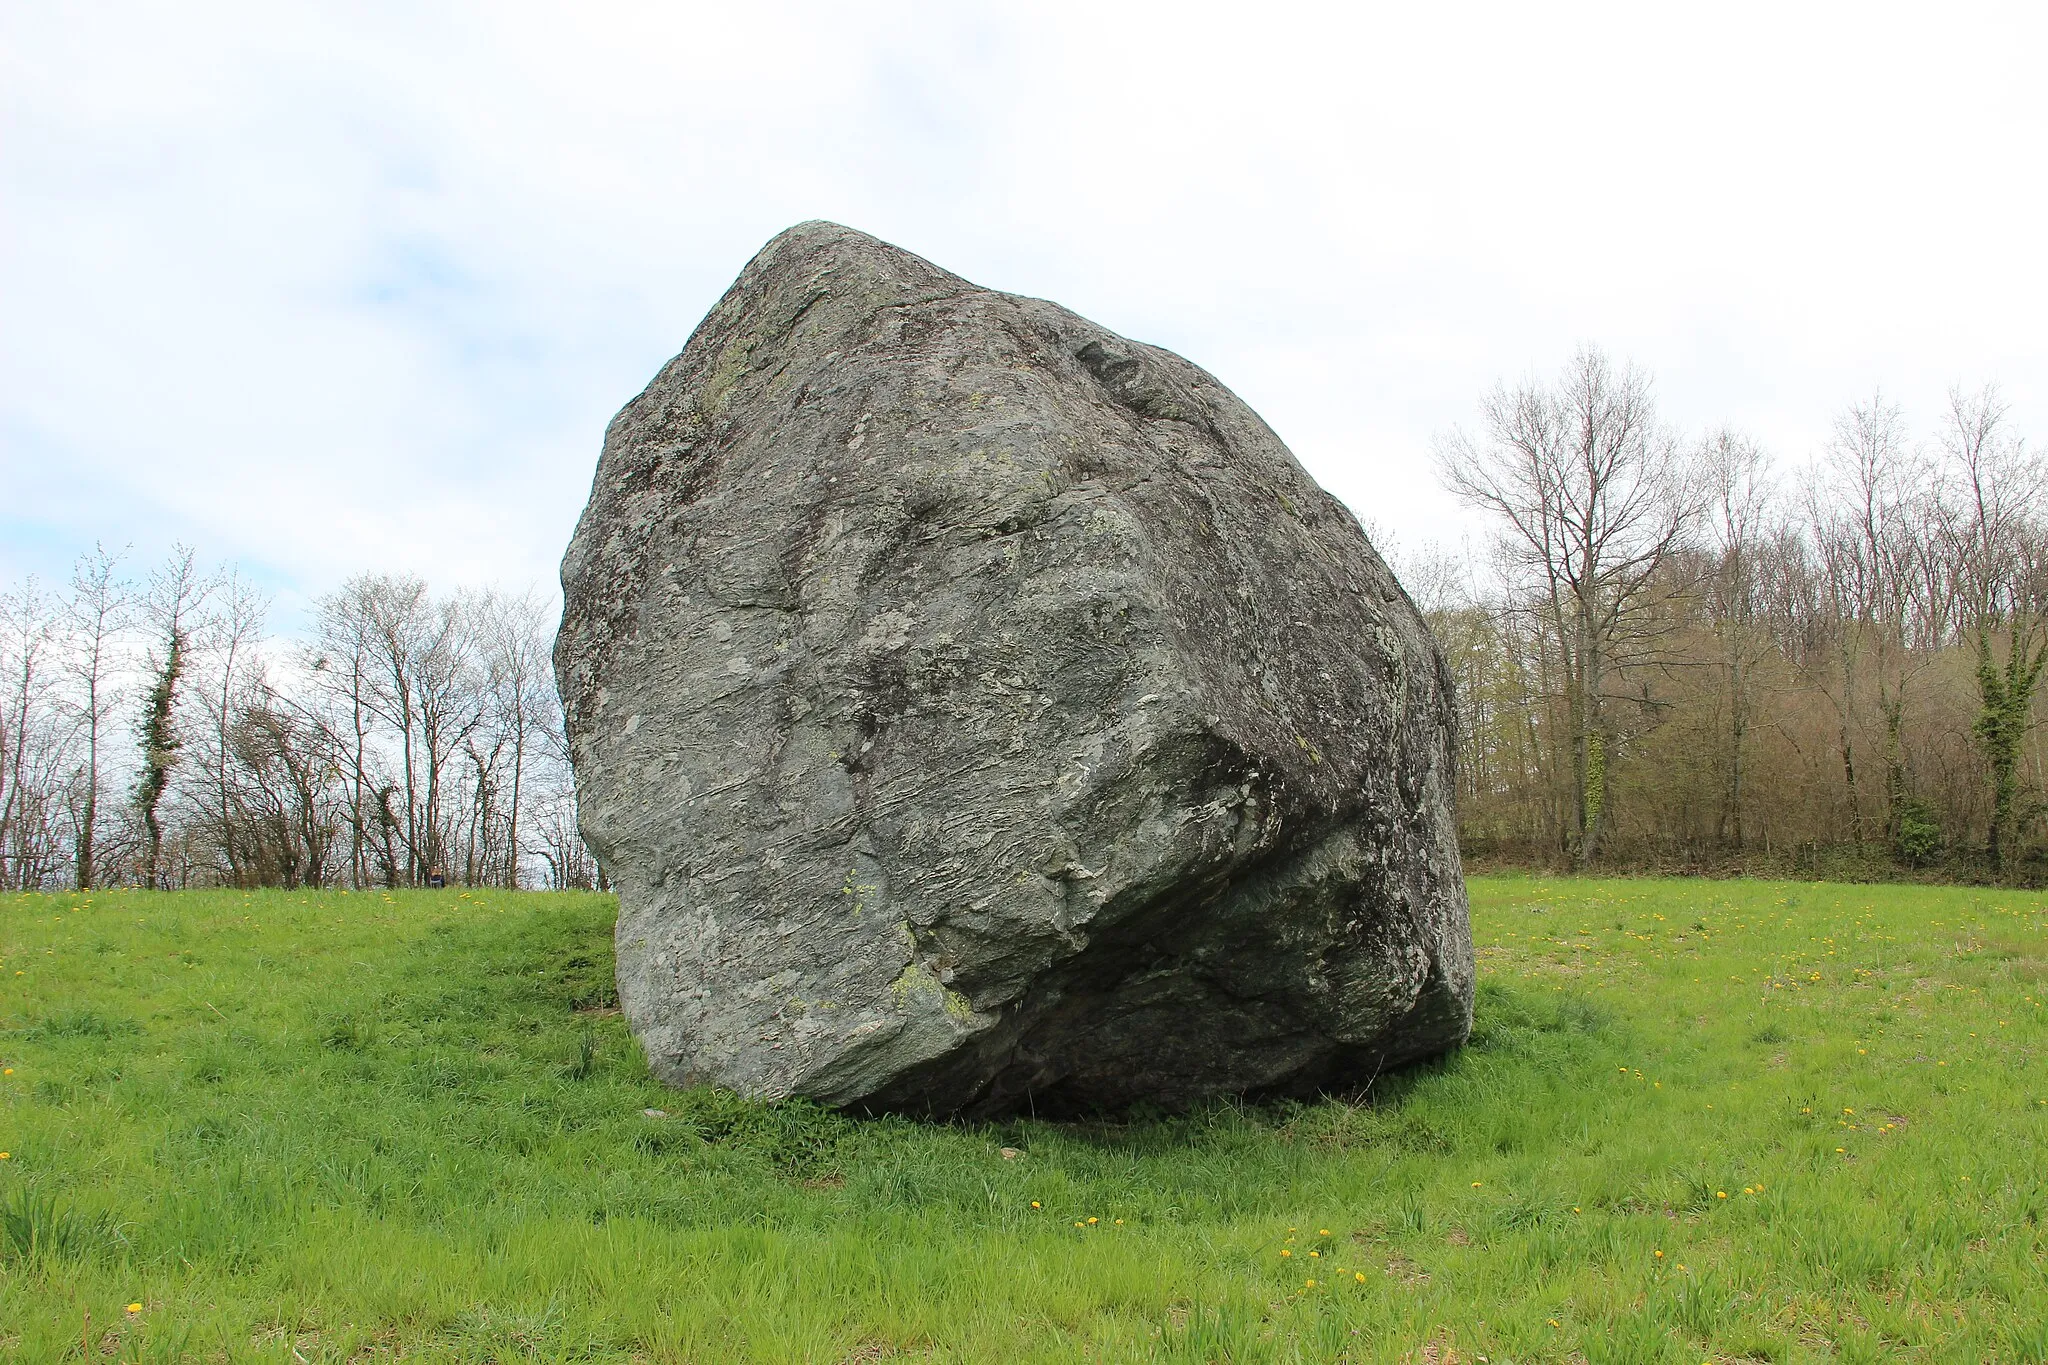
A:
[326,288]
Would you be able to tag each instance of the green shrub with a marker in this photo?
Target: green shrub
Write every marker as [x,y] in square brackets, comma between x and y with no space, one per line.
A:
[1916,834]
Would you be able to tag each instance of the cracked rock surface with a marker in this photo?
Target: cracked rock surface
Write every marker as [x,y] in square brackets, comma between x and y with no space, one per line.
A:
[976,710]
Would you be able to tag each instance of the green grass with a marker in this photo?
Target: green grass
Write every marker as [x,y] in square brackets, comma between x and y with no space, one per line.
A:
[328,1127]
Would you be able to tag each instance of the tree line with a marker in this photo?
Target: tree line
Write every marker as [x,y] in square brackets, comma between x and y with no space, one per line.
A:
[1671,653]
[153,732]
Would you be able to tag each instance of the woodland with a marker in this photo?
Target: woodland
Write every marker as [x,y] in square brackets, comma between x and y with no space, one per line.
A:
[156,733]
[1675,652]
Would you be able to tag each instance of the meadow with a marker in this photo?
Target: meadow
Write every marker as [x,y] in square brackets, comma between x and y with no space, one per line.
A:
[1697,1121]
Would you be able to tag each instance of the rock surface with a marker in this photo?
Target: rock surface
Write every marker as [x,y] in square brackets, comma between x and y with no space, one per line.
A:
[977,711]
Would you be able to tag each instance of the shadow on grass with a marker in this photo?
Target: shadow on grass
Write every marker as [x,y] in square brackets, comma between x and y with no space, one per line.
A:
[553,971]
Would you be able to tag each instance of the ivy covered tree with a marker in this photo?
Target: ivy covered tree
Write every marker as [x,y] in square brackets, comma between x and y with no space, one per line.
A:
[1999,487]
[173,599]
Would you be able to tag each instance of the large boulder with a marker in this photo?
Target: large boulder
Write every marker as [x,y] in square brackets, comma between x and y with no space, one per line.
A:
[976,710]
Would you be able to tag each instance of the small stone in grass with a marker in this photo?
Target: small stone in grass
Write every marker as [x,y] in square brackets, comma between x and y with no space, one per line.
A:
[655,1113]
[1011,1153]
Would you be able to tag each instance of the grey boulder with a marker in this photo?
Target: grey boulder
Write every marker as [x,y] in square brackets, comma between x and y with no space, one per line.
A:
[977,711]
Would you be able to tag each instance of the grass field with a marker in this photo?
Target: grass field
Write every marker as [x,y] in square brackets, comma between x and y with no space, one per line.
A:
[1698,1121]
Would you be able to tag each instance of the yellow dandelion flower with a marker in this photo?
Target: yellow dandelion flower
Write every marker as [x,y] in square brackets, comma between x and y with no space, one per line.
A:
[1359,1276]
[1094,1220]
[1285,1252]
[1720,1194]
[1034,1203]
[135,1308]
[1658,1254]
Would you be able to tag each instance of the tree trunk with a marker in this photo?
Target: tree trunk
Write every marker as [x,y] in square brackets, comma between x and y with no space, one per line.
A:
[84,867]
[1894,710]
[1848,745]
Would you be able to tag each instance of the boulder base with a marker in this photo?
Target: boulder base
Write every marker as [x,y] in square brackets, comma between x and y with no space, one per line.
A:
[978,711]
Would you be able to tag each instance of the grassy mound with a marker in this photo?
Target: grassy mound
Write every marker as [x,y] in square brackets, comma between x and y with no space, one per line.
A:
[1698,1120]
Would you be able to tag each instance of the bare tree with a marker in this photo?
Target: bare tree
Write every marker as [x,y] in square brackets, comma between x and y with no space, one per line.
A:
[285,799]
[341,667]
[388,620]
[97,613]
[1595,495]
[1864,517]
[1998,542]
[521,695]
[31,746]
[559,844]
[228,642]
[1738,484]
[424,687]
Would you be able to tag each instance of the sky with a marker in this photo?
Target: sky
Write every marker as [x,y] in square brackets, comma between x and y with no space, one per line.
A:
[321,289]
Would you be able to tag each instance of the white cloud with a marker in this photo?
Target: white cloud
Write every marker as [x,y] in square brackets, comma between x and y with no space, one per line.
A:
[332,288]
